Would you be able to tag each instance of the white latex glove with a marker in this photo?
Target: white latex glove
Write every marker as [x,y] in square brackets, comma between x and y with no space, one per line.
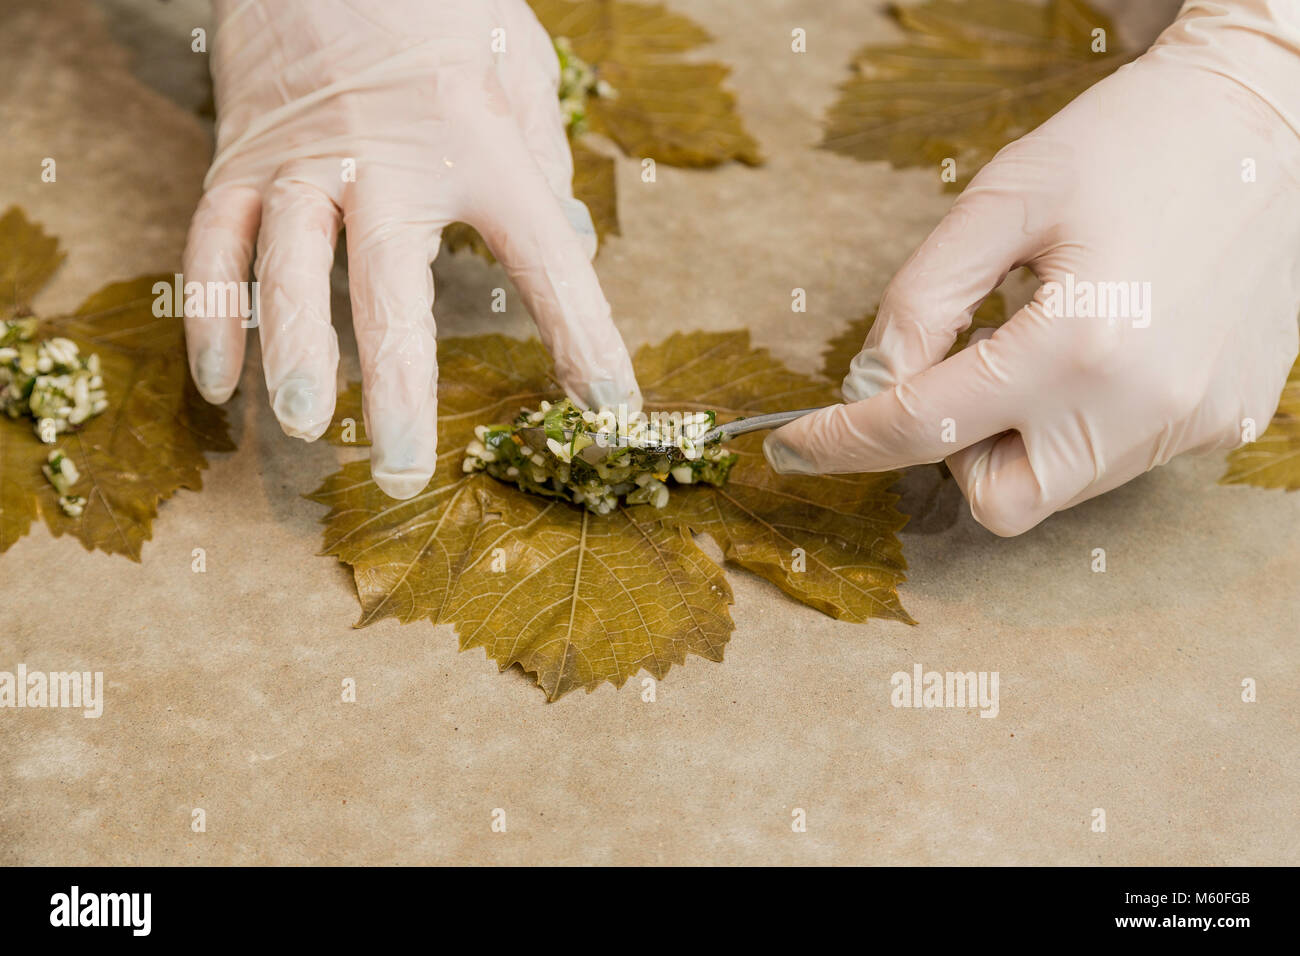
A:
[439,128]
[1141,179]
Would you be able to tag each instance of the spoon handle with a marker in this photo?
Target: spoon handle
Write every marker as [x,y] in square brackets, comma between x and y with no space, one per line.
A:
[756,423]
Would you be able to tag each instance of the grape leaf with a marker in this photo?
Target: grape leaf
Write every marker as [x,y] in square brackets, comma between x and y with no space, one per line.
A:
[593,183]
[845,525]
[970,77]
[664,108]
[151,440]
[572,598]
[1273,459]
[578,599]
[28,257]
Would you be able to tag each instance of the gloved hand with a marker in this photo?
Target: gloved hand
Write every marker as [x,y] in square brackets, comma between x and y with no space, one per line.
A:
[438,128]
[1181,173]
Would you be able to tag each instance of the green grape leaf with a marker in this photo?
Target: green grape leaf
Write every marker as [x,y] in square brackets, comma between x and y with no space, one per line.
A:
[829,541]
[151,440]
[969,77]
[1273,459]
[578,599]
[663,108]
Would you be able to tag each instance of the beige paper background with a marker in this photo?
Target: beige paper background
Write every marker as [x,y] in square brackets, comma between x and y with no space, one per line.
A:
[1118,690]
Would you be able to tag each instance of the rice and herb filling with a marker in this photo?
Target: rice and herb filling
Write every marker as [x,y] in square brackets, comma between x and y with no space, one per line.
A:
[586,463]
[578,83]
[49,381]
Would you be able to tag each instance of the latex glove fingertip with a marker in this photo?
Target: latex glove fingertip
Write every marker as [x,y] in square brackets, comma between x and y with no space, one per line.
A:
[611,394]
[297,406]
[784,459]
[213,378]
[400,484]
